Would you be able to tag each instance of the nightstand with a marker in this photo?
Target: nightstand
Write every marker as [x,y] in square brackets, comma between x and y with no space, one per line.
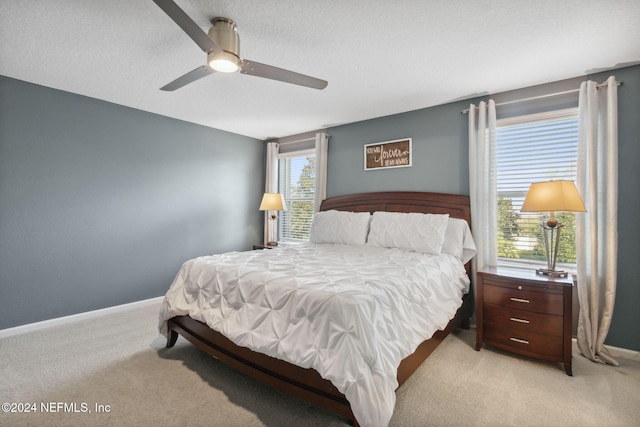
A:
[526,313]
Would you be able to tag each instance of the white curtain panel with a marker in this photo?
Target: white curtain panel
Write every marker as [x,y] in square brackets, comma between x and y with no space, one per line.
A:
[482,183]
[322,147]
[597,229]
[271,186]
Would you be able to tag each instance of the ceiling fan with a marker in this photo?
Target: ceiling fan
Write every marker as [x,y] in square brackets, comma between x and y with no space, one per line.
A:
[222,46]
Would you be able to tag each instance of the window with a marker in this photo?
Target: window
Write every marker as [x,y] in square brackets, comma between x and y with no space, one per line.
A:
[296,181]
[533,148]
[297,169]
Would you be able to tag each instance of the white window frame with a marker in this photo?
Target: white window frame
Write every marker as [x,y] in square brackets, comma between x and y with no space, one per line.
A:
[523,120]
[281,228]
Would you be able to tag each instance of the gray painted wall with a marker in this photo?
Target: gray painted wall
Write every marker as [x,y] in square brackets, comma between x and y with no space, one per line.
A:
[100,204]
[439,149]
[440,163]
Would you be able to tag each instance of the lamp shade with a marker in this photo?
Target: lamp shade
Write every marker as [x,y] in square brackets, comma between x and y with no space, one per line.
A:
[553,196]
[273,202]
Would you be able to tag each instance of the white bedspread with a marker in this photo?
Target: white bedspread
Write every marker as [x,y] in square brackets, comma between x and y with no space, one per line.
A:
[352,313]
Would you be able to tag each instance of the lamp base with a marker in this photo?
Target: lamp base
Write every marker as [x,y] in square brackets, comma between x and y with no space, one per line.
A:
[553,273]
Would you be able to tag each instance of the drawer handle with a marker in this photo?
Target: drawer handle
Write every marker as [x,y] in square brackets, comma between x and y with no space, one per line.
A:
[519,300]
[515,319]
[519,340]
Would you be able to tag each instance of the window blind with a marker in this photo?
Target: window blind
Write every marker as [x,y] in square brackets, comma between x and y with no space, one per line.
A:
[297,184]
[530,149]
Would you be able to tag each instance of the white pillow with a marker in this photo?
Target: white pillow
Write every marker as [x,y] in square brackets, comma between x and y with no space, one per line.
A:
[458,240]
[346,228]
[408,231]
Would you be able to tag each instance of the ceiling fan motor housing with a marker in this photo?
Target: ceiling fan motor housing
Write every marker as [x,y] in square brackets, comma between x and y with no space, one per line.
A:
[225,33]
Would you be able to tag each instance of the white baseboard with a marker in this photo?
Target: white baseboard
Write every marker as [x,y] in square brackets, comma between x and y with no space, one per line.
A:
[625,353]
[76,317]
[616,352]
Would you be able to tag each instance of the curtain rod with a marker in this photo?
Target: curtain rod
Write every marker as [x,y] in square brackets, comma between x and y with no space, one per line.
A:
[542,96]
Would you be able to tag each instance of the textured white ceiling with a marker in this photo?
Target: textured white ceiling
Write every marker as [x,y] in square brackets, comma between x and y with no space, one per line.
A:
[379,57]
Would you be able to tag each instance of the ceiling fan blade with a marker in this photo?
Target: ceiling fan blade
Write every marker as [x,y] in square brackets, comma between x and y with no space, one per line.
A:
[257,69]
[187,24]
[190,77]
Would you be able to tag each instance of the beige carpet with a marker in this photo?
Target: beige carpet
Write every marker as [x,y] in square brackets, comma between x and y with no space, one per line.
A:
[119,364]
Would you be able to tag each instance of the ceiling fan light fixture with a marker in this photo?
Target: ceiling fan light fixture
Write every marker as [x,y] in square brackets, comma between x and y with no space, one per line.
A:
[224,62]
[224,33]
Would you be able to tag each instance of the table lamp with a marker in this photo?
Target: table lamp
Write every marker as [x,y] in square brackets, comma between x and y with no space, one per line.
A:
[272,202]
[552,196]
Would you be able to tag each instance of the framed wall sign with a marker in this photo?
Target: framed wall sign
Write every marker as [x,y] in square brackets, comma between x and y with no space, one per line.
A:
[389,154]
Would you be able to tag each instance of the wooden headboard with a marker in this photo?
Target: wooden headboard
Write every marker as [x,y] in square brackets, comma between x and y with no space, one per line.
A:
[457,206]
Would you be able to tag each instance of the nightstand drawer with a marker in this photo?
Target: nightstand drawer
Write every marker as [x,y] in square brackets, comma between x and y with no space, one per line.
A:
[525,342]
[523,321]
[523,299]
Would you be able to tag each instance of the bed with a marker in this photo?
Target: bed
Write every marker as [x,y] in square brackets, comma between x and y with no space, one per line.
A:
[310,371]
